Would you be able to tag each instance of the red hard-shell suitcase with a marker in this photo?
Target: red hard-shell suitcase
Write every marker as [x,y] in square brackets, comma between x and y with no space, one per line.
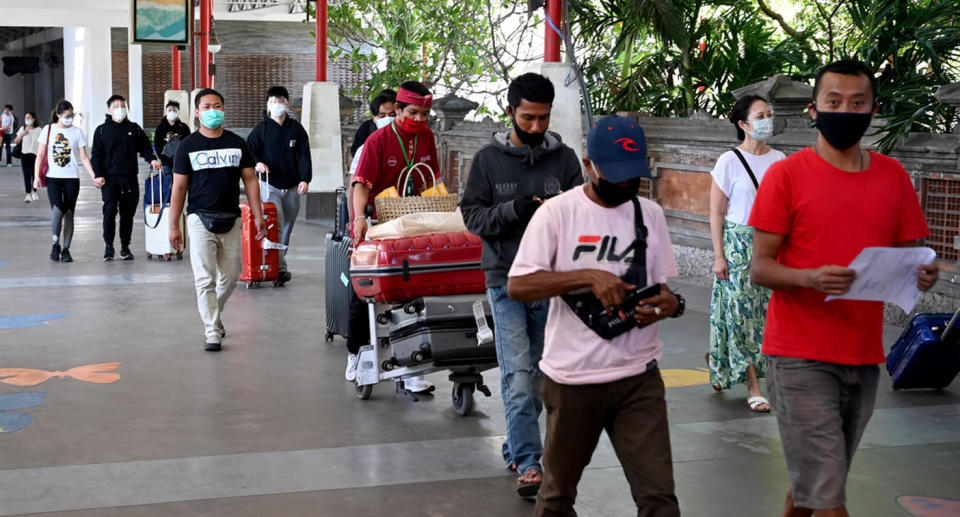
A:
[436,264]
[259,264]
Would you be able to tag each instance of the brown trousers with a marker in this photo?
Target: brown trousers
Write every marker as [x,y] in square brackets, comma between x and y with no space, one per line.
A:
[634,414]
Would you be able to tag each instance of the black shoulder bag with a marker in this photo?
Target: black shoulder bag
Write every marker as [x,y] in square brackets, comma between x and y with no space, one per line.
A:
[756,184]
[591,311]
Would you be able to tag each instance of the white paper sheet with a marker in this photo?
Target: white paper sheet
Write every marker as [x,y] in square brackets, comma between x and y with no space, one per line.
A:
[888,275]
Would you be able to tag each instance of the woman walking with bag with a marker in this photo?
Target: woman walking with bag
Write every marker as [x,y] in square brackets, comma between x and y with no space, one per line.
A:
[27,138]
[61,147]
[738,307]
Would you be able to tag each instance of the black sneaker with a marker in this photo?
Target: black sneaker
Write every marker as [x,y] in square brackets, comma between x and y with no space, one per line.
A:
[65,255]
[55,253]
[125,254]
[108,254]
[212,347]
[284,277]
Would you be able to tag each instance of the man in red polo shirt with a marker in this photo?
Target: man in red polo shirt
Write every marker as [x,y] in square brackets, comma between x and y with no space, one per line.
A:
[386,154]
[815,212]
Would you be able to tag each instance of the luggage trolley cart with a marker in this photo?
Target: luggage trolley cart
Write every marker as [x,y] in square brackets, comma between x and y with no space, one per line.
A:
[412,339]
[427,312]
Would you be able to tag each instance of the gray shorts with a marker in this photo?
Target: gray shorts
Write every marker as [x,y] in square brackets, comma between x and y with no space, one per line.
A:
[822,410]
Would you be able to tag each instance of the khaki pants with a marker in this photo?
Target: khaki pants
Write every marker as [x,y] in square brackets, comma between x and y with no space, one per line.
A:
[634,414]
[215,258]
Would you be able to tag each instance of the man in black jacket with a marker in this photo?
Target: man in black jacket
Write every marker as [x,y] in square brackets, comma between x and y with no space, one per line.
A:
[509,179]
[383,105]
[116,143]
[171,128]
[282,149]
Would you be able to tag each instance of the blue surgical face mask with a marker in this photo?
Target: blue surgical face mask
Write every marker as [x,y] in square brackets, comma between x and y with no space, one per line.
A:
[211,118]
[384,122]
[762,129]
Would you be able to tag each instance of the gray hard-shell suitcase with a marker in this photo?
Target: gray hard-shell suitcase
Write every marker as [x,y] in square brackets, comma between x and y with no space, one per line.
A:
[337,286]
[441,330]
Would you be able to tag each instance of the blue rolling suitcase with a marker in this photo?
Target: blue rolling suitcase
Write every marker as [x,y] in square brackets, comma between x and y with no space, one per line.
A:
[927,354]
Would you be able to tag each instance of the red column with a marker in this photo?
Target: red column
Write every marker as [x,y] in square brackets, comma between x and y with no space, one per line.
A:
[205,12]
[175,68]
[193,47]
[551,44]
[321,46]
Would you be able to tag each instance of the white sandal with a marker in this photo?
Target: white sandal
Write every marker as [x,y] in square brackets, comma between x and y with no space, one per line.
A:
[755,402]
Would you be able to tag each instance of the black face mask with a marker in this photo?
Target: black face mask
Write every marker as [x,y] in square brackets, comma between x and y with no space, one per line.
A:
[531,139]
[613,194]
[842,129]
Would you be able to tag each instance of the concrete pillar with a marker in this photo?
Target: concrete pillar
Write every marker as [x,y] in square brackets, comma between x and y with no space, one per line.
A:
[186,105]
[135,75]
[566,118]
[87,74]
[323,126]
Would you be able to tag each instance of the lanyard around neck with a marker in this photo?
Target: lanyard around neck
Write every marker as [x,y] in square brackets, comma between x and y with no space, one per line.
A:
[403,147]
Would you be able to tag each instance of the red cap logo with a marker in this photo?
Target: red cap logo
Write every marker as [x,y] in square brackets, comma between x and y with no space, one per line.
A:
[628,144]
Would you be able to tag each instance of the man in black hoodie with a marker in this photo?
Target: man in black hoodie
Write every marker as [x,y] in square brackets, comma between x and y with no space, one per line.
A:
[116,143]
[509,179]
[171,129]
[282,149]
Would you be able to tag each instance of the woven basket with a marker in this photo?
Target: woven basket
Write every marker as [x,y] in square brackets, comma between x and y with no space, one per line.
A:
[389,208]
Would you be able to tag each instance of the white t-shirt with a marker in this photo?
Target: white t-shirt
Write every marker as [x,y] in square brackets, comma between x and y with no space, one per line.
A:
[735,183]
[7,122]
[564,235]
[29,140]
[63,150]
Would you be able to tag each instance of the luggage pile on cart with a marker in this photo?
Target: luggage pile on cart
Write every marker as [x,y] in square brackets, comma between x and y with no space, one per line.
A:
[428,312]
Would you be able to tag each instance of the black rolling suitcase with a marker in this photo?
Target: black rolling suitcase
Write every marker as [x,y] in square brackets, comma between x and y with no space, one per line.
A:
[338,288]
[442,330]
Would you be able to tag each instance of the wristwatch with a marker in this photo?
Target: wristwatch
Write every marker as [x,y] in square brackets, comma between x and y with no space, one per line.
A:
[681,306]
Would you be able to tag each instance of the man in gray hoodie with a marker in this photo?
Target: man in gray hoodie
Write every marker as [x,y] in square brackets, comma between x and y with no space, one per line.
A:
[509,179]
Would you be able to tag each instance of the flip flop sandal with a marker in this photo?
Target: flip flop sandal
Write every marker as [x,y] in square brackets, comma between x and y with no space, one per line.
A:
[755,402]
[530,489]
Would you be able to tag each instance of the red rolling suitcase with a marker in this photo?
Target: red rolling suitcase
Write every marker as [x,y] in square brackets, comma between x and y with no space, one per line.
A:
[436,264]
[259,264]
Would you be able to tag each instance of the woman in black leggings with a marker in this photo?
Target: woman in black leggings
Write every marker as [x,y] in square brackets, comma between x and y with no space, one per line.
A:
[61,146]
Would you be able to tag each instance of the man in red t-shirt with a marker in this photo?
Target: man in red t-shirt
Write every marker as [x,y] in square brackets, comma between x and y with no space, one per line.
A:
[815,210]
[388,153]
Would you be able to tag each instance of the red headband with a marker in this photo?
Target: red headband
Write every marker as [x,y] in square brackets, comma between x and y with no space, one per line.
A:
[409,97]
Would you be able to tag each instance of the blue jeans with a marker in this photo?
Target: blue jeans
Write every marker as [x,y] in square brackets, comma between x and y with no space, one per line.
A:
[519,329]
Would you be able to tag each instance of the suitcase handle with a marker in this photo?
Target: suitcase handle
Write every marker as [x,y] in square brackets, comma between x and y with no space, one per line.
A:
[948,331]
[365,282]
[153,197]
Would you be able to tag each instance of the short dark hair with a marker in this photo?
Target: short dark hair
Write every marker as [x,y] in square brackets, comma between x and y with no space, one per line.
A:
[378,101]
[31,114]
[415,87]
[532,87]
[741,110]
[278,91]
[389,93]
[846,67]
[113,98]
[63,105]
[175,104]
[8,106]
[203,93]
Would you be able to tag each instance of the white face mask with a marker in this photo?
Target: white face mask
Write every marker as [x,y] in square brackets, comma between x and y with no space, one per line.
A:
[28,121]
[172,115]
[384,122]
[119,114]
[276,110]
[762,129]
[67,121]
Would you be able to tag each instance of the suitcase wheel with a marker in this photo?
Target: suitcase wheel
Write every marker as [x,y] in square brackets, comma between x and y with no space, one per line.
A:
[168,257]
[179,255]
[329,336]
[463,398]
[364,392]
[387,365]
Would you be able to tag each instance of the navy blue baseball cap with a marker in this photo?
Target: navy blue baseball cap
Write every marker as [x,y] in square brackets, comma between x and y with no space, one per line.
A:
[618,147]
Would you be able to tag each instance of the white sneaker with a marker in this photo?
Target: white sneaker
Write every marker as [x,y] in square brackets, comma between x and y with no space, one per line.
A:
[351,372]
[28,199]
[418,384]
[34,196]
